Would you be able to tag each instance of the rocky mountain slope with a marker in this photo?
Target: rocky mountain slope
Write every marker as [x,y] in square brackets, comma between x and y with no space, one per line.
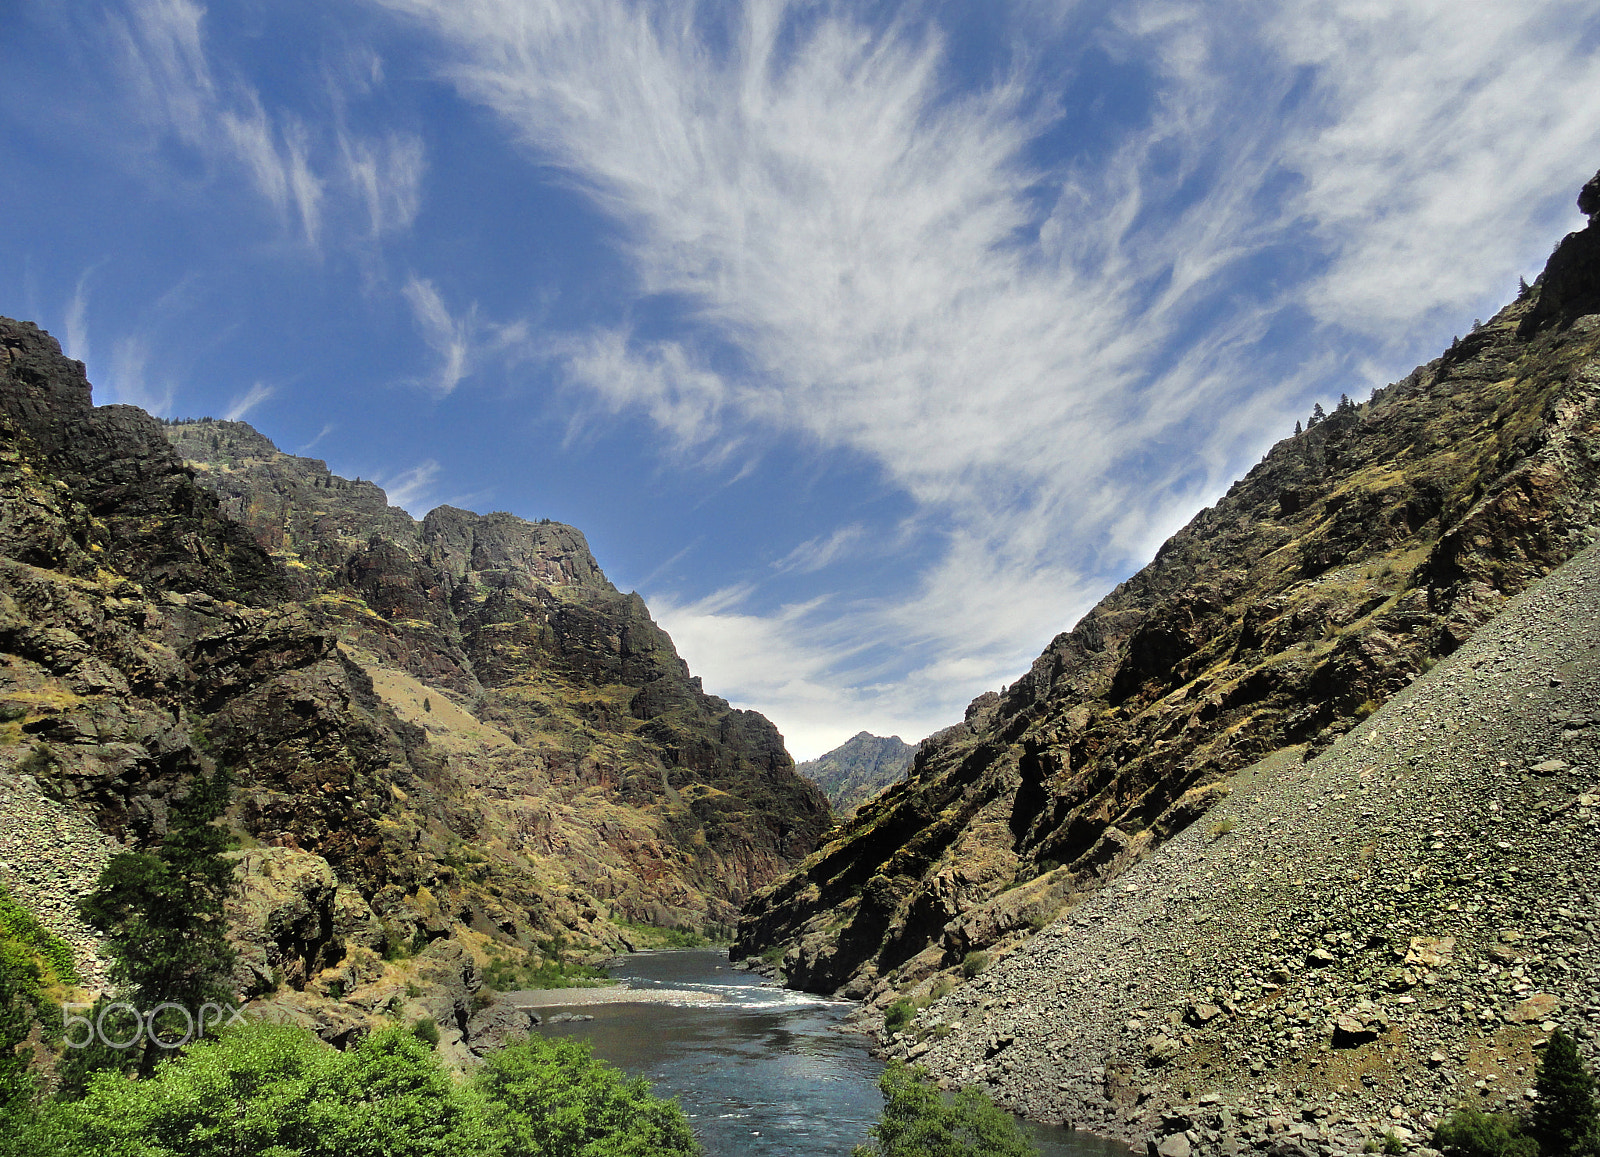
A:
[1345,564]
[858,769]
[454,734]
[1344,947]
[551,692]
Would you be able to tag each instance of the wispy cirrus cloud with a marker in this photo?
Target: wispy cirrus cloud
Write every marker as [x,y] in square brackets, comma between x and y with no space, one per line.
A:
[450,337]
[130,379]
[301,167]
[387,174]
[77,320]
[461,340]
[412,489]
[1056,364]
[248,401]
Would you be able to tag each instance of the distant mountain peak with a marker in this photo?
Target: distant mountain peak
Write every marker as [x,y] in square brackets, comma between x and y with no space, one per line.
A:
[859,768]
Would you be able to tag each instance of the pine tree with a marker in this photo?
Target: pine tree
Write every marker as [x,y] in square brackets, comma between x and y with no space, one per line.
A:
[162,911]
[1564,1119]
[1297,429]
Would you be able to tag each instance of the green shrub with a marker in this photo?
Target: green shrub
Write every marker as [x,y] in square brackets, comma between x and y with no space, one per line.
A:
[974,963]
[899,1014]
[652,936]
[276,1090]
[20,1004]
[536,972]
[22,928]
[426,1030]
[1470,1132]
[551,1098]
[918,1122]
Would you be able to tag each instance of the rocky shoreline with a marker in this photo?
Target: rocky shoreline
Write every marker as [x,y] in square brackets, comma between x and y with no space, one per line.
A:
[1343,950]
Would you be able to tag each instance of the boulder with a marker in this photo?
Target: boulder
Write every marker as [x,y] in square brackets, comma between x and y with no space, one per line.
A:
[1538,1007]
[290,918]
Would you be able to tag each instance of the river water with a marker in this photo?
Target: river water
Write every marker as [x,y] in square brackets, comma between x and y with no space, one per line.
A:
[763,1070]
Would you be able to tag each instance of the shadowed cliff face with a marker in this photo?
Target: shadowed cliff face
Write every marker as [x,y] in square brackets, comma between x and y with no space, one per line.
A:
[461,716]
[1324,581]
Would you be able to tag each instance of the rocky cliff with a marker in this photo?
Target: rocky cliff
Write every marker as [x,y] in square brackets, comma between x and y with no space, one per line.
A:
[455,733]
[858,769]
[550,692]
[1345,564]
[1344,950]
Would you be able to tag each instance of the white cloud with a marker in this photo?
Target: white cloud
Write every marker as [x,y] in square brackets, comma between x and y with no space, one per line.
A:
[449,336]
[682,397]
[1055,366]
[77,320]
[177,87]
[387,173]
[412,489]
[247,401]
[128,384]
[1436,143]
[816,553]
[327,428]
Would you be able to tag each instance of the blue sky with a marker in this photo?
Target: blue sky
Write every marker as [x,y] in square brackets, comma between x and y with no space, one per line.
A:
[871,342]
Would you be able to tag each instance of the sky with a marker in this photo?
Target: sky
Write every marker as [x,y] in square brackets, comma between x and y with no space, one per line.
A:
[872,343]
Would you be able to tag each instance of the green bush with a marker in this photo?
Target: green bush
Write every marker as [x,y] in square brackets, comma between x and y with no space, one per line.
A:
[535,971]
[553,1099]
[974,963]
[899,1014]
[652,936]
[426,1030]
[1563,1121]
[276,1091]
[918,1122]
[1470,1132]
[21,927]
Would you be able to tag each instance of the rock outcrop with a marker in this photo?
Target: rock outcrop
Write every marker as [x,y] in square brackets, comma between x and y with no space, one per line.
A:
[1345,564]
[858,769]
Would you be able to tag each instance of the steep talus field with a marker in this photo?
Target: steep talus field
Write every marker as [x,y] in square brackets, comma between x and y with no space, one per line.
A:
[1344,565]
[858,769]
[1344,948]
[455,733]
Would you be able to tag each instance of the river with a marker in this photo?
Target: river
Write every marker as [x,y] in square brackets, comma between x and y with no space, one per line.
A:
[761,1071]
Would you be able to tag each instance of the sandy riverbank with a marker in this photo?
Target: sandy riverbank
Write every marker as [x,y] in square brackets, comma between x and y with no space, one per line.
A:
[610,994]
